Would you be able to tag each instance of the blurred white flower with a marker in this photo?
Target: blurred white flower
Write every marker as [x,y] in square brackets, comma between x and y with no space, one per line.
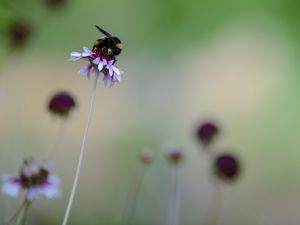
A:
[34,177]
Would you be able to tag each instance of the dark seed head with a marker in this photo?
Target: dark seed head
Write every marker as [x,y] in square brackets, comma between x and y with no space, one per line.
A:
[207,132]
[227,167]
[61,104]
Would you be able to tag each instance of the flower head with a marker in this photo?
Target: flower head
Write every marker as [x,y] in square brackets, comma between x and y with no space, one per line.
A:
[146,156]
[174,154]
[18,33]
[206,132]
[61,104]
[55,3]
[35,178]
[227,167]
[100,60]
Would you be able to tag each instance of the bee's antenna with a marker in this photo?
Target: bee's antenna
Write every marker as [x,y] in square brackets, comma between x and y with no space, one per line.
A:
[103,31]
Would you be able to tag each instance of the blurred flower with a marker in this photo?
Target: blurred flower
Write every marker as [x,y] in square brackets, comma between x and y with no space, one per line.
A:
[146,156]
[227,167]
[55,3]
[61,104]
[35,178]
[18,33]
[98,62]
[207,132]
[174,154]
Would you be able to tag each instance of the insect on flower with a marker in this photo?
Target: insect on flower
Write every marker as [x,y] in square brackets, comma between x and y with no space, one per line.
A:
[101,58]
[109,44]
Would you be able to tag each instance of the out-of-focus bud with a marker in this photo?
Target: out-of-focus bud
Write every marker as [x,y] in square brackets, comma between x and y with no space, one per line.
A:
[61,104]
[227,167]
[206,133]
[146,156]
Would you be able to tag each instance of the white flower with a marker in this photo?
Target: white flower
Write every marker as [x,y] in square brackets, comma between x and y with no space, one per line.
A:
[35,178]
[50,189]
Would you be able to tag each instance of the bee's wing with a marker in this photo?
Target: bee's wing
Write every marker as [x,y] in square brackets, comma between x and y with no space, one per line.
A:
[103,32]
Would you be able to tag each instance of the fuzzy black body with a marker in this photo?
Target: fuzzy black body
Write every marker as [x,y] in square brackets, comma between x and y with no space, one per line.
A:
[109,44]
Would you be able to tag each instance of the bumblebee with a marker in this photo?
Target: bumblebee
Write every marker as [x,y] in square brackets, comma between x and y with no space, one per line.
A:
[109,45]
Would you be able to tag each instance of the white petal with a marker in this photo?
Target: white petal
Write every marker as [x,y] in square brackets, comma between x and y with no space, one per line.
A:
[75,56]
[10,186]
[116,70]
[110,62]
[86,49]
[100,66]
[96,61]
[87,52]
[51,189]
[53,179]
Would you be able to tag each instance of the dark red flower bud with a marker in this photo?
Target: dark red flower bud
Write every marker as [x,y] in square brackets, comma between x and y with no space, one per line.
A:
[206,133]
[55,3]
[61,104]
[227,167]
[19,33]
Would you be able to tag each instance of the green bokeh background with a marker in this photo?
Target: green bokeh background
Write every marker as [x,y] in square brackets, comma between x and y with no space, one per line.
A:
[232,61]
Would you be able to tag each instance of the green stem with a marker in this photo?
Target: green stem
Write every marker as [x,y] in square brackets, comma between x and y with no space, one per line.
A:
[25,213]
[213,217]
[174,205]
[133,194]
[16,213]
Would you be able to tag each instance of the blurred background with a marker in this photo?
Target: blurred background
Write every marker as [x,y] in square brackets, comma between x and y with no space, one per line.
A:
[234,62]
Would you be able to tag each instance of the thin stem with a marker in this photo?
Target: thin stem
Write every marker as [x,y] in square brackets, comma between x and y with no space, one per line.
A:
[174,205]
[25,213]
[59,138]
[133,195]
[214,216]
[82,149]
[218,204]
[16,213]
